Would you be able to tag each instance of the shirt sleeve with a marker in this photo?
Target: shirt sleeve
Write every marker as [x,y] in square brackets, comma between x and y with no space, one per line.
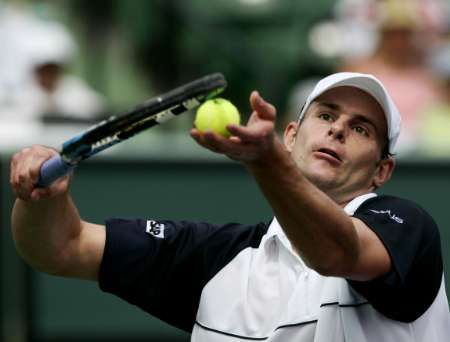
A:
[162,266]
[412,240]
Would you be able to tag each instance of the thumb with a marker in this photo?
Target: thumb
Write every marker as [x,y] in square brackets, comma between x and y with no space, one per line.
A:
[264,109]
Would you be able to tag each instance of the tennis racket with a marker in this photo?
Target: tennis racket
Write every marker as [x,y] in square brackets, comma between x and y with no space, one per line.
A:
[116,129]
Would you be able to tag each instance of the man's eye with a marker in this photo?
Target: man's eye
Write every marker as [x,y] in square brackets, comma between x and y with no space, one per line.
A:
[325,116]
[361,130]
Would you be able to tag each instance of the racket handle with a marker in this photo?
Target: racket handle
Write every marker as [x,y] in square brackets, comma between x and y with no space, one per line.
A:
[53,169]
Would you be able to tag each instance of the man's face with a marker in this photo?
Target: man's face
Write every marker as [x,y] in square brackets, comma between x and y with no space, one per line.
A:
[338,144]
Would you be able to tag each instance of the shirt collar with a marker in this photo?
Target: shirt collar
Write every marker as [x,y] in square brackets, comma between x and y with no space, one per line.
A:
[354,204]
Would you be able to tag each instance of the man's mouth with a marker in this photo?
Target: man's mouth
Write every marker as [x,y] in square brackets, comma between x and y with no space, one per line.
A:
[330,153]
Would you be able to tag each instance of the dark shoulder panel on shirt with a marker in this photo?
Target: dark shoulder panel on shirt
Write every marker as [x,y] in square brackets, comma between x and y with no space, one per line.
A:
[162,266]
[412,240]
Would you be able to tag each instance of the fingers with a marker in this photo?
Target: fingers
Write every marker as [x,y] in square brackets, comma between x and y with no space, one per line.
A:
[58,187]
[38,193]
[24,173]
[214,142]
[257,132]
[264,109]
[233,147]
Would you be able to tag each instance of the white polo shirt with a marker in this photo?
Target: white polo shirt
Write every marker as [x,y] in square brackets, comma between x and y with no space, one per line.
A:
[264,291]
[281,299]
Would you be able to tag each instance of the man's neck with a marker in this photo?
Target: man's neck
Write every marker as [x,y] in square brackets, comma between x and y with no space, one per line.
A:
[343,199]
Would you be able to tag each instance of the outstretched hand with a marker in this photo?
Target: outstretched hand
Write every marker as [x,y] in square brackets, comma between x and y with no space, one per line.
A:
[247,143]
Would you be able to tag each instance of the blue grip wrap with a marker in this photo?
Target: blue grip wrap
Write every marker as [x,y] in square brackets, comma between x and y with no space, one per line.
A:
[53,169]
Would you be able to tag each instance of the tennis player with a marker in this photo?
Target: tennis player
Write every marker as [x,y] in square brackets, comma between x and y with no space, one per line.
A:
[336,263]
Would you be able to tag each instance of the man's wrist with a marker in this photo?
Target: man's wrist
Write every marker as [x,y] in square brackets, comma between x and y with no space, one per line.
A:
[275,155]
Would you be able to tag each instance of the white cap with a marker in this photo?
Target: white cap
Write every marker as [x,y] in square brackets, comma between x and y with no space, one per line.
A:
[370,85]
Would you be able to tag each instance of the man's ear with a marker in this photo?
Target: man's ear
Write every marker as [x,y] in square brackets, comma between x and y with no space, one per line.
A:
[383,172]
[290,133]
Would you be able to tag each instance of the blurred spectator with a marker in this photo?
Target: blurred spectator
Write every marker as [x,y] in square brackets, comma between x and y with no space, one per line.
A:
[350,35]
[435,125]
[400,62]
[34,83]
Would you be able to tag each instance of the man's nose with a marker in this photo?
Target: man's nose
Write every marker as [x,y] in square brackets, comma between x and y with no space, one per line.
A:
[338,130]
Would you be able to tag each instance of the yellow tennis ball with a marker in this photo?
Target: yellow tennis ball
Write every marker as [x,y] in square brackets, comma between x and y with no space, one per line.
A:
[215,115]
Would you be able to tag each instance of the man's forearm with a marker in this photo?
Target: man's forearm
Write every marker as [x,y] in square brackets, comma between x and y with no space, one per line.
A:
[43,231]
[316,226]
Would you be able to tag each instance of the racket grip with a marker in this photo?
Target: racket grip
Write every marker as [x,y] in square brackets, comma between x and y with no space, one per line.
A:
[53,169]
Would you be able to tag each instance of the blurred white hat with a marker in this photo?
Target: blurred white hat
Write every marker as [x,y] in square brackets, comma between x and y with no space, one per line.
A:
[49,42]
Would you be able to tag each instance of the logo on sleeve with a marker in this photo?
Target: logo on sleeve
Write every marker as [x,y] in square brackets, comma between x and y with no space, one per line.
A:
[388,212]
[156,229]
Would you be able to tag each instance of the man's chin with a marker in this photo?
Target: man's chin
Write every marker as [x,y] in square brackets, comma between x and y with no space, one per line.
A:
[325,181]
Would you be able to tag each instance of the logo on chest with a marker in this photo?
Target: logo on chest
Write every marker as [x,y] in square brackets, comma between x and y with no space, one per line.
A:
[390,215]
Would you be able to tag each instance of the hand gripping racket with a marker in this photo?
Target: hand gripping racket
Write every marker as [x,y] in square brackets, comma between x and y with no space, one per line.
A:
[116,129]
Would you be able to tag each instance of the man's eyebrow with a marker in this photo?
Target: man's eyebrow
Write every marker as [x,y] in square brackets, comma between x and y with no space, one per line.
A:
[330,105]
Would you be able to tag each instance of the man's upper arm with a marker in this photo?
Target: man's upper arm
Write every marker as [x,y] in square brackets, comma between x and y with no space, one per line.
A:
[411,238]
[86,252]
[373,260]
